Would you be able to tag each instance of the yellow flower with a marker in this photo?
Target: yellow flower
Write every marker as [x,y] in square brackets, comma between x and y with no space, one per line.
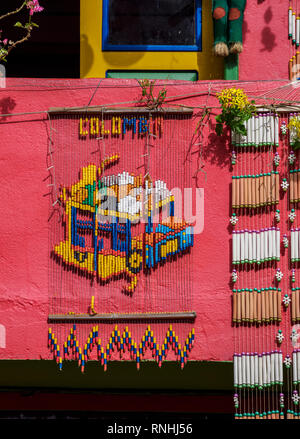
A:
[233,98]
[294,126]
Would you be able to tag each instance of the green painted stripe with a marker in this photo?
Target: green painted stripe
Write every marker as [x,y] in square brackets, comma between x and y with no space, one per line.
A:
[231,68]
[183,75]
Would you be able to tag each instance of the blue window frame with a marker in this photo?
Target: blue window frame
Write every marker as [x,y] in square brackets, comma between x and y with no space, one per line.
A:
[125,31]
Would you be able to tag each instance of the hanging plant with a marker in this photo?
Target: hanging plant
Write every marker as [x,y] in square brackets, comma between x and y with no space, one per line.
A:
[294,127]
[6,44]
[236,110]
[148,97]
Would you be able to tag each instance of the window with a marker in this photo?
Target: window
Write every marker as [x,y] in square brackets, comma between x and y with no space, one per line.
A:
[151,25]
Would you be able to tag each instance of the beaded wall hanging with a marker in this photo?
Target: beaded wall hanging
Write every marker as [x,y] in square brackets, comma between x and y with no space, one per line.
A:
[120,244]
[294,37]
[265,258]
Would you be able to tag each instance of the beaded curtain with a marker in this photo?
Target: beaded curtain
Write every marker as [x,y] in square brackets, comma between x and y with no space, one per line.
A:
[265,261]
[294,37]
[119,244]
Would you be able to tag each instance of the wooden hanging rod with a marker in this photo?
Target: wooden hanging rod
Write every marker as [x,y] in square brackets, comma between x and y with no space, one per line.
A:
[279,108]
[118,110]
[122,317]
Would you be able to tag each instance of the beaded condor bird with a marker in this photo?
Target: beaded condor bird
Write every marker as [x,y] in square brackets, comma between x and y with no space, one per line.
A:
[228,20]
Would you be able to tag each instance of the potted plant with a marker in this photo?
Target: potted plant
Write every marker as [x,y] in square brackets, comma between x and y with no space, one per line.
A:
[236,110]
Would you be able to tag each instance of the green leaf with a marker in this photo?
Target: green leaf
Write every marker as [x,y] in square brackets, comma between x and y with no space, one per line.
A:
[219,129]
[296,145]
[241,130]
[34,24]
[18,24]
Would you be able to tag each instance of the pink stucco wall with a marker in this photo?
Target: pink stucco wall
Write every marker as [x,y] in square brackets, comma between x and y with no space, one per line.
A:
[24,252]
[267,49]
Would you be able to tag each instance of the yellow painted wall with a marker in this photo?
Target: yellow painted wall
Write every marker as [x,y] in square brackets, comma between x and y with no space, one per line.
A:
[94,62]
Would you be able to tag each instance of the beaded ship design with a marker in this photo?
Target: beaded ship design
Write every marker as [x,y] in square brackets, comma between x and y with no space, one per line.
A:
[98,207]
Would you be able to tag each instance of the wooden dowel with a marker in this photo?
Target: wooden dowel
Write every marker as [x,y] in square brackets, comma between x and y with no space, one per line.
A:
[234,180]
[261,190]
[243,298]
[241,179]
[255,319]
[267,302]
[263,306]
[293,176]
[249,195]
[277,186]
[118,110]
[234,306]
[247,305]
[275,304]
[253,191]
[273,189]
[245,191]
[256,191]
[271,306]
[293,68]
[259,308]
[123,317]
[279,301]
[297,305]
[237,194]
[293,186]
[268,191]
[239,307]
[251,304]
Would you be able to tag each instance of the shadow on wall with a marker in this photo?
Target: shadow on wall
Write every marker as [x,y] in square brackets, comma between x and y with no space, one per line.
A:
[86,53]
[267,36]
[268,40]
[215,150]
[209,65]
[124,59]
[6,106]
[245,31]
[207,147]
